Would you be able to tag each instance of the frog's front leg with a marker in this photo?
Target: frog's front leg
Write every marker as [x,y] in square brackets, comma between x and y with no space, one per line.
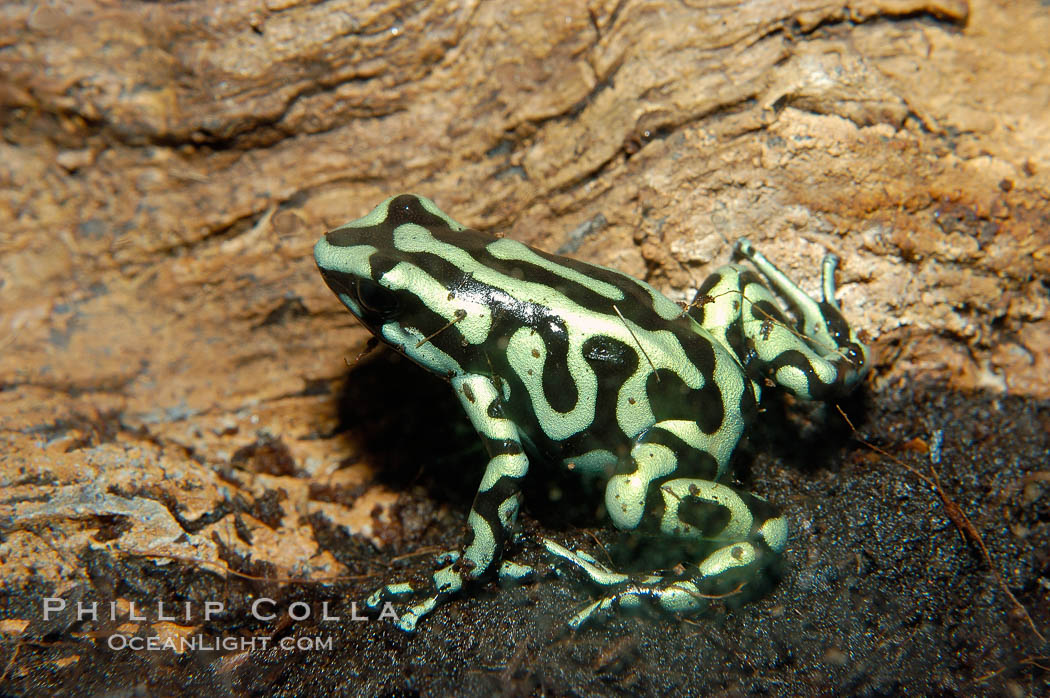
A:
[818,358]
[493,513]
[745,530]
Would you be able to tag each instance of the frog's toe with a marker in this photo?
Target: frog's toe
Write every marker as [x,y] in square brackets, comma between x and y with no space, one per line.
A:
[447,558]
[595,571]
[389,592]
[626,599]
[410,618]
[515,573]
[581,618]
[404,592]
[681,596]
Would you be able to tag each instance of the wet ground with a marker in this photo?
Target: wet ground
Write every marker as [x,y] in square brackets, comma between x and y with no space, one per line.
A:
[884,588]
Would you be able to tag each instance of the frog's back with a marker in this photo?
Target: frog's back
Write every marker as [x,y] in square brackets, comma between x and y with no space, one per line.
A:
[578,347]
[575,345]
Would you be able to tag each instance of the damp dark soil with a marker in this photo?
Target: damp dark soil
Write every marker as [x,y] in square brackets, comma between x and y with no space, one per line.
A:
[885,587]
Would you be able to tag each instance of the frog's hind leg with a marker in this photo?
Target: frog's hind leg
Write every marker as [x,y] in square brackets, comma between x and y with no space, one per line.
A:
[669,484]
[816,357]
[823,355]
[745,529]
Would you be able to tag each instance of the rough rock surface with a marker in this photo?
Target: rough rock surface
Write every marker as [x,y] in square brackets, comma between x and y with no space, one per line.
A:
[178,422]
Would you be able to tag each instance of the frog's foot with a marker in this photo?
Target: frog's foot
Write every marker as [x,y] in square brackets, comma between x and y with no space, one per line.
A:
[743,530]
[683,593]
[823,355]
[443,583]
[515,573]
[595,571]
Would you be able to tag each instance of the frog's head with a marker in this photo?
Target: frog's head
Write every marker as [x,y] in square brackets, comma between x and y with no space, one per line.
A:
[852,354]
[392,270]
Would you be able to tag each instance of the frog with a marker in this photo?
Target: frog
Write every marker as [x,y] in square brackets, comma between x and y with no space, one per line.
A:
[564,362]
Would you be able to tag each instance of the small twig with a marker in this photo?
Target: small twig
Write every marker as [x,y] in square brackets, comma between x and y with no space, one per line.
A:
[732,592]
[11,661]
[419,552]
[1026,660]
[1039,476]
[601,546]
[739,588]
[459,315]
[370,345]
[957,517]
[243,575]
[640,347]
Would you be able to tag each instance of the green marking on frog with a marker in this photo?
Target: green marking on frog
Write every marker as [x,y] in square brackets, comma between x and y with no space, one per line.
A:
[581,363]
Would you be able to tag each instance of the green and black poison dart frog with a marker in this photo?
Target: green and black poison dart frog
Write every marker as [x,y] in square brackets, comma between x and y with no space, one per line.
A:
[582,365]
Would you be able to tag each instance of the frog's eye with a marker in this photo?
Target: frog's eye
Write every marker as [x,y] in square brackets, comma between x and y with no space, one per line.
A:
[854,355]
[376,299]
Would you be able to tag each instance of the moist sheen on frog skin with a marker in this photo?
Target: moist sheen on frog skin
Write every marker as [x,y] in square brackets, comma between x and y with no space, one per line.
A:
[601,372]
